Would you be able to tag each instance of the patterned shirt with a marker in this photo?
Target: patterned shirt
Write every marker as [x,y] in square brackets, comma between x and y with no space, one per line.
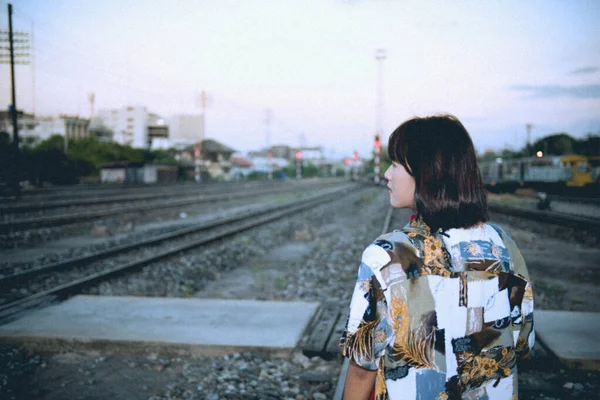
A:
[441,316]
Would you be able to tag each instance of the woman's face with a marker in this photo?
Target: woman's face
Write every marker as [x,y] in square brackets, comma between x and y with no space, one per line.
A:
[401,185]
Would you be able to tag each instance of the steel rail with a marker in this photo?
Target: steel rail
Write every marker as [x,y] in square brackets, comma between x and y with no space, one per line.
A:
[39,206]
[244,223]
[570,199]
[552,217]
[100,188]
[64,219]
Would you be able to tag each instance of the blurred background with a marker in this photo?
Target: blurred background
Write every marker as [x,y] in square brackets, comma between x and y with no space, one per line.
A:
[308,74]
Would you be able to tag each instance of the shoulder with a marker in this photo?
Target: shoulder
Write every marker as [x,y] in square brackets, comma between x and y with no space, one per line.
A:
[507,239]
[517,260]
[388,247]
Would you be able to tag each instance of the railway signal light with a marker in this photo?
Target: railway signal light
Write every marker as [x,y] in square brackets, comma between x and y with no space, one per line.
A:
[346,161]
[299,164]
[377,142]
[355,155]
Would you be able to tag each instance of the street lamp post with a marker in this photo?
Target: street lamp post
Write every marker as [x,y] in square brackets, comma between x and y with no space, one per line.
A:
[380,56]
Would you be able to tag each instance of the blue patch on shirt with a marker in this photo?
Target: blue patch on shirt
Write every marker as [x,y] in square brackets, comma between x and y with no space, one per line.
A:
[364,272]
[484,251]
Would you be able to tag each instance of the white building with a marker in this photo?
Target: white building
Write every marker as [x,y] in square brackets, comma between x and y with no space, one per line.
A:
[185,130]
[129,124]
[26,124]
[70,126]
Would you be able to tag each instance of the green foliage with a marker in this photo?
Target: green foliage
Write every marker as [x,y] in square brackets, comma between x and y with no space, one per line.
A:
[45,161]
[590,146]
[384,163]
[556,144]
[309,170]
[257,176]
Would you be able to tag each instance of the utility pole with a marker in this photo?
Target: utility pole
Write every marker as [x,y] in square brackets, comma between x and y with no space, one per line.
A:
[528,126]
[32,71]
[14,58]
[267,122]
[92,99]
[380,56]
[198,146]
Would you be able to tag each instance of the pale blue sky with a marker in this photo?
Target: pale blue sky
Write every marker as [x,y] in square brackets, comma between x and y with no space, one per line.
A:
[497,65]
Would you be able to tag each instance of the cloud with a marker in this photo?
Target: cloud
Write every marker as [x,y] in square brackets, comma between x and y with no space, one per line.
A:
[584,71]
[587,91]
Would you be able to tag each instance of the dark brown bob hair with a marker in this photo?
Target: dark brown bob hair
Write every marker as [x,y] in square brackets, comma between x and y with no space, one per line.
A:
[438,152]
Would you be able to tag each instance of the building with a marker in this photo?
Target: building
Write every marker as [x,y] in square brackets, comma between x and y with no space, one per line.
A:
[137,173]
[100,131]
[26,124]
[69,126]
[241,167]
[185,130]
[214,160]
[129,124]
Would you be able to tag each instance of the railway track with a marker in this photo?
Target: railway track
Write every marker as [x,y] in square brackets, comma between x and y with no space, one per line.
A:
[550,217]
[57,281]
[580,200]
[65,192]
[109,197]
[18,225]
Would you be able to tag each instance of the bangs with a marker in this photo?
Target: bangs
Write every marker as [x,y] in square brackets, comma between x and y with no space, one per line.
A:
[397,147]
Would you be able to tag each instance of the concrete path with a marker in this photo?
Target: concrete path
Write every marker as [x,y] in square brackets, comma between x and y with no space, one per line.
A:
[172,325]
[574,337]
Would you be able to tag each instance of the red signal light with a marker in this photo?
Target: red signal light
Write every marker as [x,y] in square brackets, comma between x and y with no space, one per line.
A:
[355,156]
[298,155]
[346,161]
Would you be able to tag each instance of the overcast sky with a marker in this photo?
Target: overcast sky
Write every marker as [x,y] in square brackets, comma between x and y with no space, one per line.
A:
[496,65]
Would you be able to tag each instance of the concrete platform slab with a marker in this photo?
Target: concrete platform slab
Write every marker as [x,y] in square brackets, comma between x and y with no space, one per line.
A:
[574,337]
[171,325]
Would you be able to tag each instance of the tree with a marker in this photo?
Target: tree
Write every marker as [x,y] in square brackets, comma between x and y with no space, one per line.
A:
[557,144]
[589,146]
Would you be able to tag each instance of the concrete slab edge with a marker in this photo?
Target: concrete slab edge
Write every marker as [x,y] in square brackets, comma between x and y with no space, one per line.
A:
[115,347]
[585,364]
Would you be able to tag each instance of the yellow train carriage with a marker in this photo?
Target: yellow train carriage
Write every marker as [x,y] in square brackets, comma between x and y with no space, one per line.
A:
[579,168]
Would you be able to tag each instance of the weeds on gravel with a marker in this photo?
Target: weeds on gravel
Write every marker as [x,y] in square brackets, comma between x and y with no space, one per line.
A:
[280,283]
[363,200]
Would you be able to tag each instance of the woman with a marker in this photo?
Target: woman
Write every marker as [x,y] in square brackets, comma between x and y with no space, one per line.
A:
[442,309]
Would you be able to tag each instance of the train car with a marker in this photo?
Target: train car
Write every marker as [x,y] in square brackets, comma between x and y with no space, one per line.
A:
[501,175]
[554,174]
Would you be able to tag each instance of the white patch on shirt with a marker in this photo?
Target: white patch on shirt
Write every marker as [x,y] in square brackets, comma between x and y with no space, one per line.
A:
[479,292]
[358,306]
[375,257]
[405,388]
[503,389]
[531,339]
[515,336]
[451,363]
[497,307]
[450,316]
